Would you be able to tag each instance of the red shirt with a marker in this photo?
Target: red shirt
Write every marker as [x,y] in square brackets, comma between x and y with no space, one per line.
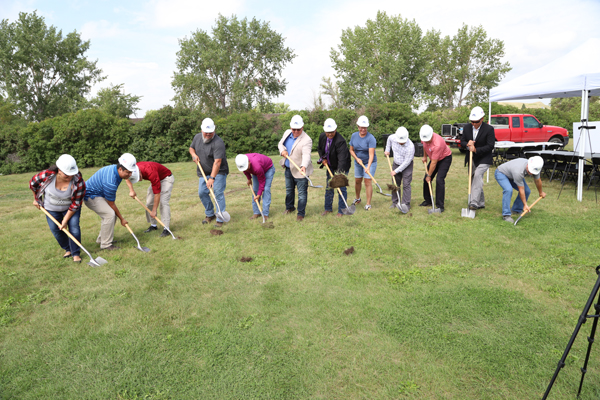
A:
[437,148]
[153,172]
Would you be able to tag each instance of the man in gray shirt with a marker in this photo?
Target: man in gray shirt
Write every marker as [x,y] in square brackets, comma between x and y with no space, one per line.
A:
[209,149]
[511,175]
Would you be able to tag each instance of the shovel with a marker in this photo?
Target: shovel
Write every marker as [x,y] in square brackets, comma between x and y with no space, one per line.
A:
[306,176]
[349,210]
[98,261]
[222,215]
[530,207]
[401,207]
[258,205]
[466,212]
[156,218]
[374,181]
[140,248]
[431,210]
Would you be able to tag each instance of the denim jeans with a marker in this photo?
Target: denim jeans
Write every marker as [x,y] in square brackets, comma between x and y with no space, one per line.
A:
[290,192]
[330,194]
[219,185]
[266,196]
[507,186]
[63,240]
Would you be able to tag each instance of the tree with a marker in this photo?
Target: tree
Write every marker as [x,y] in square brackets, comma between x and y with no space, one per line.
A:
[465,67]
[43,73]
[237,67]
[332,89]
[383,62]
[114,101]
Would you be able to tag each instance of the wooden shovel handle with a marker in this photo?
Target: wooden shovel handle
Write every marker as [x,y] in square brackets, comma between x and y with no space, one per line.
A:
[339,190]
[295,165]
[129,229]
[58,224]
[147,209]
[389,163]
[204,176]
[368,172]
[256,201]
[531,206]
[470,170]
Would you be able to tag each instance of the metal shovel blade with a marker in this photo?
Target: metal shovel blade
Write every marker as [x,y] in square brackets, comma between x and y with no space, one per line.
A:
[403,208]
[518,219]
[224,215]
[467,213]
[168,230]
[381,191]
[311,184]
[349,210]
[97,262]
[434,211]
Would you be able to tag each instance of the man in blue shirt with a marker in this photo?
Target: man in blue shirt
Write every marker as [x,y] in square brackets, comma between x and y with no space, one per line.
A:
[101,195]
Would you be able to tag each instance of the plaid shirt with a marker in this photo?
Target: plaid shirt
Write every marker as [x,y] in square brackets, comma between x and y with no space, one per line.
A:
[403,155]
[40,181]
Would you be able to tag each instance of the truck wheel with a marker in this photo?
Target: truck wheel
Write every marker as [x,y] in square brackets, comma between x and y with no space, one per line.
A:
[557,140]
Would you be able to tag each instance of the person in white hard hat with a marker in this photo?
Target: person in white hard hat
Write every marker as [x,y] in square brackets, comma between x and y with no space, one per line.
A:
[478,138]
[296,145]
[440,156]
[403,151]
[101,193]
[259,171]
[511,175]
[60,190]
[209,149]
[362,146]
[333,151]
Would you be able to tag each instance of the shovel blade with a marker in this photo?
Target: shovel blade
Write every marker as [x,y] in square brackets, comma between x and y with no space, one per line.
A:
[518,219]
[466,213]
[224,215]
[434,211]
[98,261]
[403,208]
[349,210]
[144,249]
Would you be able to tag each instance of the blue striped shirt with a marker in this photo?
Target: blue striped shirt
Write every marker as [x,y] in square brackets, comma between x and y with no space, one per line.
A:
[104,183]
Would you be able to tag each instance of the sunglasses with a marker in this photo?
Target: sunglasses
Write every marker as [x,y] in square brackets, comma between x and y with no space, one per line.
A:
[296,130]
[476,122]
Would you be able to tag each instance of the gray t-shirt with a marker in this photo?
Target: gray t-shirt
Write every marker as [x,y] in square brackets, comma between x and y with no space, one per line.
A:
[208,152]
[516,170]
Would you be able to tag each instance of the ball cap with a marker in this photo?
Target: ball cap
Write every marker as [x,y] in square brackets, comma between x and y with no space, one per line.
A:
[67,164]
[296,122]
[426,133]
[363,121]
[241,161]
[401,135]
[208,125]
[535,165]
[329,125]
[476,114]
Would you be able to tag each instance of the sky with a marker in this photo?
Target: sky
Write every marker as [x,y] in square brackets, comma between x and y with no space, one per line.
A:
[136,42]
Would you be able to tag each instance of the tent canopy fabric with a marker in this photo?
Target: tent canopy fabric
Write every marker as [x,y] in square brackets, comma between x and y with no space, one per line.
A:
[564,77]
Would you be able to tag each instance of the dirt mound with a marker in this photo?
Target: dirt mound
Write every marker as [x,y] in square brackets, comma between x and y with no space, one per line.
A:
[349,251]
[338,181]
[216,232]
[246,259]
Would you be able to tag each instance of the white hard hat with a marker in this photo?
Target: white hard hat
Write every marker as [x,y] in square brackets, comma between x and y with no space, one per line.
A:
[535,164]
[426,133]
[296,122]
[476,114]
[67,164]
[241,160]
[208,125]
[135,175]
[128,161]
[363,121]
[329,125]
[401,135]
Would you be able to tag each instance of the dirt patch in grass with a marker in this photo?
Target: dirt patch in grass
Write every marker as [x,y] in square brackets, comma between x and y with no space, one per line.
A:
[216,232]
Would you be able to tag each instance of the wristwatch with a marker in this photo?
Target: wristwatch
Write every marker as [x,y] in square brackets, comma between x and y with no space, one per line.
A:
[210,177]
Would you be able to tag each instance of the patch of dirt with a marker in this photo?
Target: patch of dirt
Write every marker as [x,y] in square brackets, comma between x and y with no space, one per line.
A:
[338,181]
[349,251]
[393,188]
[216,232]
[268,225]
[246,259]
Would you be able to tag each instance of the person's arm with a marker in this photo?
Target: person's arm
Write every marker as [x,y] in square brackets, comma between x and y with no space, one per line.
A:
[194,155]
[388,145]
[342,154]
[352,153]
[409,156]
[538,184]
[112,205]
[371,156]
[132,193]
[490,142]
[215,170]
[281,146]
[262,181]
[432,165]
[66,219]
[523,198]
[306,150]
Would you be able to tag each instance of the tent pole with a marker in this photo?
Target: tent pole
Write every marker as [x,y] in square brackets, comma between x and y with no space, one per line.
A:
[582,140]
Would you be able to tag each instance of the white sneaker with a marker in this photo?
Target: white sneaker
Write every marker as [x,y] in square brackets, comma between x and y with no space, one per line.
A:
[368,207]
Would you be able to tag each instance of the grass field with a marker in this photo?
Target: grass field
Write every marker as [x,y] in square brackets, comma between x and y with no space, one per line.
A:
[427,307]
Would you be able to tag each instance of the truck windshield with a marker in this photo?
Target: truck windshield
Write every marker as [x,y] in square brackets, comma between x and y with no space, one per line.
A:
[499,120]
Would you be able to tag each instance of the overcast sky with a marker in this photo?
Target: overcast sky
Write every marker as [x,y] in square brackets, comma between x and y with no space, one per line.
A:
[135,42]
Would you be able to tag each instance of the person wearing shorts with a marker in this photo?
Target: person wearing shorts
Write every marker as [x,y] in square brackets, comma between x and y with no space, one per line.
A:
[362,147]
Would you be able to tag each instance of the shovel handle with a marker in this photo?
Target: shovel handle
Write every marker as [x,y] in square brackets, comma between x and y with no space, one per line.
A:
[295,165]
[129,229]
[147,209]
[531,206]
[204,176]
[58,224]
[470,169]
[389,163]
[256,201]
[367,171]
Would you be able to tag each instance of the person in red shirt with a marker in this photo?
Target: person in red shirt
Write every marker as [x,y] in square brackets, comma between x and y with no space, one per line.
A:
[440,157]
[159,193]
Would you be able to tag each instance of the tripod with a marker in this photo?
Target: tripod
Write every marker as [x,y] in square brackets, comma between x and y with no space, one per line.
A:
[566,172]
[582,319]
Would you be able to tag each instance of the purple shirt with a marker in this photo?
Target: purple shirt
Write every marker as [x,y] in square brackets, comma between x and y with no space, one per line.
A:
[258,164]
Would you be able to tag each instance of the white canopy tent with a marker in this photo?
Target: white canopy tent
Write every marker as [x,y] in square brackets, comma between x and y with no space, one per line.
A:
[574,74]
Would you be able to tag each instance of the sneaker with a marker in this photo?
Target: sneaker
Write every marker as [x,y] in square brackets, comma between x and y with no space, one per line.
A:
[425,204]
[356,201]
[218,224]
[150,229]
[208,220]
[165,233]
[481,208]
[508,218]
[368,207]
[473,207]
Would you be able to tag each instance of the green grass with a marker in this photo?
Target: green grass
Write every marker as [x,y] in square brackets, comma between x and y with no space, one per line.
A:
[427,307]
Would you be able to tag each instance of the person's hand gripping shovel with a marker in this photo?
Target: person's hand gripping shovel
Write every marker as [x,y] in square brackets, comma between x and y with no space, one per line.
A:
[402,207]
[432,210]
[223,215]
[265,223]
[526,211]
[303,173]
[156,218]
[374,181]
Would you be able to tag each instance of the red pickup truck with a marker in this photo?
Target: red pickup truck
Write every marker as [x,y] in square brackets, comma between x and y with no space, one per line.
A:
[518,128]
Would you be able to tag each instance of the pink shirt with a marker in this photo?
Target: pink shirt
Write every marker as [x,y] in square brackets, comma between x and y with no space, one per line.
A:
[258,164]
[436,149]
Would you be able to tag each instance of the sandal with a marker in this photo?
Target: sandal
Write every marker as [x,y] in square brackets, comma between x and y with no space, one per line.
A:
[356,201]
[368,207]
[77,261]
[68,255]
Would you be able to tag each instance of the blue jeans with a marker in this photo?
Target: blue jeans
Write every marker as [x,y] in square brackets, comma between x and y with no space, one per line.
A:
[219,185]
[330,194]
[61,237]
[290,192]
[507,186]
[266,196]
[359,172]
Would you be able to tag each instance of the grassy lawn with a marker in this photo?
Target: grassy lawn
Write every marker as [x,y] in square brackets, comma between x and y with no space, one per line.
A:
[427,307]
